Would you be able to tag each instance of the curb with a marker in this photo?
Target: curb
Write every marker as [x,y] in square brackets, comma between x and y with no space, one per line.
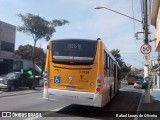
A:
[21,93]
[139,105]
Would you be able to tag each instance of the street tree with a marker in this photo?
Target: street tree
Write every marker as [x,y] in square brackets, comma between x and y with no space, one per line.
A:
[124,69]
[38,28]
[25,51]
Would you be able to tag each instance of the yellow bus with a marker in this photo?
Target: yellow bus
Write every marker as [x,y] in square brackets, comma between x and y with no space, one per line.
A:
[131,79]
[80,71]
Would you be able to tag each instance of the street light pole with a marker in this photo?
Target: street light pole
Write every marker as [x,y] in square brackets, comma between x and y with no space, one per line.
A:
[118,13]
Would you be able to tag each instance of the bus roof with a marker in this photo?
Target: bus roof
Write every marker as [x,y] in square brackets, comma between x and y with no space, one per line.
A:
[76,39]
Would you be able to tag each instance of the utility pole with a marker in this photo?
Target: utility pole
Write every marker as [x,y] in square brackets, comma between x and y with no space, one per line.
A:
[145,21]
[146,65]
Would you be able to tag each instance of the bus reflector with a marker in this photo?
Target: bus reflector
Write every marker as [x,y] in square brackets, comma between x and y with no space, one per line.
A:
[45,78]
[98,88]
[45,75]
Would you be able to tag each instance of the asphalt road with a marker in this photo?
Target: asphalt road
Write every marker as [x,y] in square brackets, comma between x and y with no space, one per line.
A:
[127,101]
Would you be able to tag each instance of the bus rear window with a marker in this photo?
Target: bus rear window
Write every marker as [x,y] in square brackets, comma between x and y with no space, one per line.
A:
[74,51]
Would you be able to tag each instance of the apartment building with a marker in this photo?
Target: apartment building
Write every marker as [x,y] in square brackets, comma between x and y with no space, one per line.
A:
[7,46]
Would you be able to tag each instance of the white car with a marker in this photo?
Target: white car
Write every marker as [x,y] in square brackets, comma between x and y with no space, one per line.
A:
[139,83]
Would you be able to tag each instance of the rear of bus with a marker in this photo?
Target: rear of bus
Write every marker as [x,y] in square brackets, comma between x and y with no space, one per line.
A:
[73,73]
[131,79]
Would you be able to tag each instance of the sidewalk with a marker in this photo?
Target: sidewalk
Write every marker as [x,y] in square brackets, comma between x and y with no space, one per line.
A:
[20,92]
[155,101]
[152,109]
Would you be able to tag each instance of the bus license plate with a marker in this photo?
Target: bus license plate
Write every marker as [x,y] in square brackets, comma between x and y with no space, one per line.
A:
[70,88]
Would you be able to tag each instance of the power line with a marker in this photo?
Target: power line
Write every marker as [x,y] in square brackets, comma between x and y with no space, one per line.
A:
[133,21]
[131,53]
[138,52]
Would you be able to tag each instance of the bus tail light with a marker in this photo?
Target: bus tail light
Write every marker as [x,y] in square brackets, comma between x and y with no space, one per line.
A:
[99,82]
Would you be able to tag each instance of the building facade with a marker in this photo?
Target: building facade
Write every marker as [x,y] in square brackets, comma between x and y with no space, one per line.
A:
[155,21]
[7,46]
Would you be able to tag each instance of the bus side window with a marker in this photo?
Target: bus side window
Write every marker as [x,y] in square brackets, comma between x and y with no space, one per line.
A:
[111,67]
[105,64]
[108,68]
[104,61]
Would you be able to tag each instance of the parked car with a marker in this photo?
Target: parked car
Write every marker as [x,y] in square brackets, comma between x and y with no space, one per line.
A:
[38,80]
[13,80]
[41,82]
[139,83]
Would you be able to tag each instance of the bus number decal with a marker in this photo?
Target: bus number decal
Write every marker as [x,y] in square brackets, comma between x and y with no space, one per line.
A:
[57,79]
[84,72]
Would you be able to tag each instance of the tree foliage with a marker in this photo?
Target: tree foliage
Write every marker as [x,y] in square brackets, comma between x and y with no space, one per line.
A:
[38,27]
[115,53]
[26,53]
[124,68]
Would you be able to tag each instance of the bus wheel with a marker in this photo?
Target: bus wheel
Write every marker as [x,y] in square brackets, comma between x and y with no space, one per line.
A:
[109,101]
[12,88]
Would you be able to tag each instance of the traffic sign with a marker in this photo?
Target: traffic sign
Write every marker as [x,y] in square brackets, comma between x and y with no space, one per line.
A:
[145,49]
[57,79]
[146,57]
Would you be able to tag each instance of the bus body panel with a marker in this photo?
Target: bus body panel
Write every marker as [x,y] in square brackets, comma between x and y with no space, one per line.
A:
[78,83]
[70,77]
[80,79]
[75,97]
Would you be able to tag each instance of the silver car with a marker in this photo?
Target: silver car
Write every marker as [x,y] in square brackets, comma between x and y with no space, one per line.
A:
[139,83]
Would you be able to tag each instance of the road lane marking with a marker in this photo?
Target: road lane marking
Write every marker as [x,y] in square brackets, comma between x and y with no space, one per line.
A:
[45,114]
[139,105]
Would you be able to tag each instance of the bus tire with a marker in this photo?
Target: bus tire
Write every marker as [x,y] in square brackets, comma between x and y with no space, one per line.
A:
[12,88]
[109,97]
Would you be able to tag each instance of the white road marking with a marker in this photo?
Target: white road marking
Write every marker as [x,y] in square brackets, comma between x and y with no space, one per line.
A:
[45,114]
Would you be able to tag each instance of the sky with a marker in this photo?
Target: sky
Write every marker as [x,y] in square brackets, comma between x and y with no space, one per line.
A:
[85,22]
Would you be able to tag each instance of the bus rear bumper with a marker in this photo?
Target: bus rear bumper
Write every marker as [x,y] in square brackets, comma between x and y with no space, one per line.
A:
[73,97]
